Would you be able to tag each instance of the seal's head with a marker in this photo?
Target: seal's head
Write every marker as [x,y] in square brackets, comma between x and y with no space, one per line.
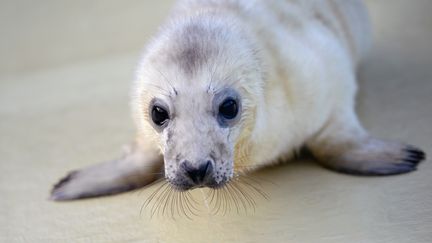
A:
[196,97]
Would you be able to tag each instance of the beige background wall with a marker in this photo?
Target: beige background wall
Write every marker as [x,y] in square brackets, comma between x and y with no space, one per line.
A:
[65,71]
[42,34]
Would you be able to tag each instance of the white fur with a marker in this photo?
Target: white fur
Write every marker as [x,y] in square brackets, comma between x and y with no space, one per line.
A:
[309,71]
[293,65]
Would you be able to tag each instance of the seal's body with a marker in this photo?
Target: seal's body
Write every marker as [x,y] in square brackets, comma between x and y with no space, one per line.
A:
[229,86]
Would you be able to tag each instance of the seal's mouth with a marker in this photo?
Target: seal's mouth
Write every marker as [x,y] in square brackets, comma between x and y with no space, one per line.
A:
[189,181]
[186,187]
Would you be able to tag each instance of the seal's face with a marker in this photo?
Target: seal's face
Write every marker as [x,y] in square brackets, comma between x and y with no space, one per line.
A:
[195,129]
[196,97]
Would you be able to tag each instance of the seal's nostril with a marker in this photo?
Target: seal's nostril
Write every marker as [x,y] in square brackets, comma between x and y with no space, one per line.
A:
[205,168]
[209,163]
[197,175]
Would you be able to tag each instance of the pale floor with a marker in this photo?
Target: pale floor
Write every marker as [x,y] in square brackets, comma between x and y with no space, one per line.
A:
[65,75]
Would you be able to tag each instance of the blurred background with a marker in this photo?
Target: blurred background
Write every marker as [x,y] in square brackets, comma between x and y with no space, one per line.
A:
[65,73]
[42,34]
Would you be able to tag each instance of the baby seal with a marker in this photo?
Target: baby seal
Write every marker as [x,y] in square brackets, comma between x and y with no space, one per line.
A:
[230,86]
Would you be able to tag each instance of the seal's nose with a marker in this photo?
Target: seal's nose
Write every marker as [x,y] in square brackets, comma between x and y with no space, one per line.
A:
[197,173]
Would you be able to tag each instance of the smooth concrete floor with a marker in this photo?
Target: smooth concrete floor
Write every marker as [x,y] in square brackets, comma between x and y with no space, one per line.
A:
[66,70]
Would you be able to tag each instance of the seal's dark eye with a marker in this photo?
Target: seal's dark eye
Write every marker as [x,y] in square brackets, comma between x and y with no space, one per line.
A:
[228,109]
[159,115]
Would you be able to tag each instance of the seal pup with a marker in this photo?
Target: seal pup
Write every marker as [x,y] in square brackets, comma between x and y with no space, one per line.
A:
[230,86]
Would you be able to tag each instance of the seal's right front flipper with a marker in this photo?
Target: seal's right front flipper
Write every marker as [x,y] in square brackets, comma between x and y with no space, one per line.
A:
[135,169]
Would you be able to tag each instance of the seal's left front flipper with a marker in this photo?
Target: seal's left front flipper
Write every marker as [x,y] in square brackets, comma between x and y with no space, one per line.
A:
[374,157]
[343,145]
[135,169]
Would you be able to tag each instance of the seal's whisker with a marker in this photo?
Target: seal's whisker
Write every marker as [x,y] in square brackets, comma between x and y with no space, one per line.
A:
[250,197]
[176,197]
[213,199]
[186,206]
[208,195]
[173,204]
[240,195]
[182,207]
[160,199]
[152,196]
[212,71]
[227,201]
[156,198]
[218,200]
[245,195]
[255,188]
[170,201]
[140,190]
[258,179]
[166,80]
[189,196]
[212,194]
[164,93]
[224,200]
[225,81]
[167,202]
[176,207]
[180,203]
[187,202]
[235,197]
[245,166]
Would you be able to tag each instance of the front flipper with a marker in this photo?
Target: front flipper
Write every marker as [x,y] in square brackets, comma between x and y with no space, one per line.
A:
[135,169]
[344,146]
